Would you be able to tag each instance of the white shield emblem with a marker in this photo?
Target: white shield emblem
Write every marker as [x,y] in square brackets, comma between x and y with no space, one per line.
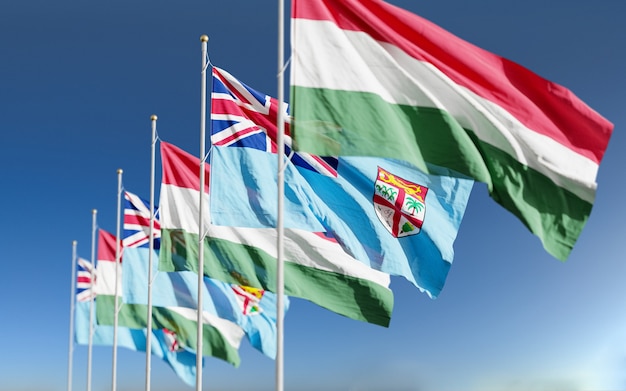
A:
[249,299]
[399,204]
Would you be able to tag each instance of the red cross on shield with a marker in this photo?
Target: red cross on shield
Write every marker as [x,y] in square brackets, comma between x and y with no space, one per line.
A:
[399,204]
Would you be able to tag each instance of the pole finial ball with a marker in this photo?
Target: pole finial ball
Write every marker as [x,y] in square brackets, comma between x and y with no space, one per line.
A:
[94,211]
[74,242]
[204,38]
[153,117]
[119,171]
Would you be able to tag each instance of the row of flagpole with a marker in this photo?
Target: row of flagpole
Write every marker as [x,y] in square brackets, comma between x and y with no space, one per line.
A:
[118,304]
[201,234]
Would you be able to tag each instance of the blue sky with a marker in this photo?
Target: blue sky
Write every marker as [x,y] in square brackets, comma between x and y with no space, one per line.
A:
[78,83]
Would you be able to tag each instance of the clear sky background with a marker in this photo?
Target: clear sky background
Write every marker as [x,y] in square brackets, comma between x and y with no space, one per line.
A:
[78,83]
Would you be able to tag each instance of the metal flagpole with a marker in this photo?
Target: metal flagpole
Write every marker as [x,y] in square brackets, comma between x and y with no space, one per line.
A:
[153,118]
[72,306]
[94,212]
[279,222]
[204,39]
[117,282]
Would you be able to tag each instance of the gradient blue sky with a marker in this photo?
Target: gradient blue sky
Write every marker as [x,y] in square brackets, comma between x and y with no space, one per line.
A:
[78,83]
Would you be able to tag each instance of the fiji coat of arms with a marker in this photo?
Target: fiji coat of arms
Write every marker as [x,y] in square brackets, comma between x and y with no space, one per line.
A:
[171,341]
[399,204]
[249,299]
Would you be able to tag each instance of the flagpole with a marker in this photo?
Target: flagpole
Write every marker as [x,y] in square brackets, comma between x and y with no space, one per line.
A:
[72,306]
[94,212]
[204,39]
[279,221]
[117,283]
[153,118]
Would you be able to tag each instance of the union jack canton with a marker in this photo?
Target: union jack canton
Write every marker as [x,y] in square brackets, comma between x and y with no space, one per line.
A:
[243,117]
[137,223]
[85,280]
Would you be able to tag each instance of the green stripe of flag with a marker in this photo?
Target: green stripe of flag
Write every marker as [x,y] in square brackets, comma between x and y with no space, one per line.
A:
[135,316]
[238,263]
[553,213]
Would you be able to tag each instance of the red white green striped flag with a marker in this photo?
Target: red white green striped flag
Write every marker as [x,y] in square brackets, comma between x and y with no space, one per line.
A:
[221,337]
[316,266]
[371,79]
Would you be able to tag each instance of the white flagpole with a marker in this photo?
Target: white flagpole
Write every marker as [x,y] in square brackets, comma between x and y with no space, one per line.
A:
[94,212]
[117,283]
[72,306]
[280,284]
[204,39]
[153,118]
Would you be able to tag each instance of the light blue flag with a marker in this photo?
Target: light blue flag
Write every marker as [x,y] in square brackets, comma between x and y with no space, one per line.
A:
[163,344]
[397,220]
[254,310]
[384,212]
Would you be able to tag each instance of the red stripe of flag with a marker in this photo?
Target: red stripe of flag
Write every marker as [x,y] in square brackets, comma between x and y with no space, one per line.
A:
[181,169]
[542,106]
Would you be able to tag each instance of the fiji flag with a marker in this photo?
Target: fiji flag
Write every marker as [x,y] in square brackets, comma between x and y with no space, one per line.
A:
[254,310]
[183,362]
[85,278]
[85,283]
[243,117]
[385,213]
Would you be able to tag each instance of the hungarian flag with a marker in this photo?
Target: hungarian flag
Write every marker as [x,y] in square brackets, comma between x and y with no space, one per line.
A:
[221,337]
[315,266]
[371,79]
